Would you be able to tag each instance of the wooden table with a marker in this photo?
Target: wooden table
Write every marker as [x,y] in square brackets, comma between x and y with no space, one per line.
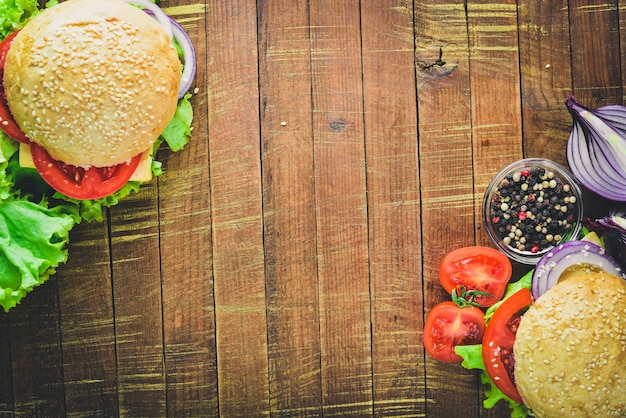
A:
[284,263]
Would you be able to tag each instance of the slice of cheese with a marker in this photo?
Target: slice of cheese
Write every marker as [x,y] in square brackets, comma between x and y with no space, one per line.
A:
[26,158]
[143,172]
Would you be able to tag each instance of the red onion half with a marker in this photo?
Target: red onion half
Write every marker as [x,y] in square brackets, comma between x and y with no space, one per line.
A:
[571,255]
[596,148]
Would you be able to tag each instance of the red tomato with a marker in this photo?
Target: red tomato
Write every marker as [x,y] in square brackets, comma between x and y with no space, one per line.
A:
[448,325]
[5,45]
[476,268]
[499,339]
[7,123]
[80,183]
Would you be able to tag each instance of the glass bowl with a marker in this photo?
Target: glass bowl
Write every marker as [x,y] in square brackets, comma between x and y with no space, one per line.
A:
[530,207]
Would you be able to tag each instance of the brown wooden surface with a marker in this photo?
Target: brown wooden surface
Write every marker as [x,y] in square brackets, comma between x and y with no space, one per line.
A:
[284,263]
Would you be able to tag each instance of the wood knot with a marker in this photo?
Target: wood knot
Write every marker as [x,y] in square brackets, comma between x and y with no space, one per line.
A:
[338,125]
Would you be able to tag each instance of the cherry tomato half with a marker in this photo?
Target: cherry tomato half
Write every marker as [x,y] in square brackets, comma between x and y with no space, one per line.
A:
[448,325]
[499,339]
[81,183]
[476,268]
[7,123]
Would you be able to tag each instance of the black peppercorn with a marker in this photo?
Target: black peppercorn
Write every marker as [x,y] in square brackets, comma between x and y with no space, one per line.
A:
[532,208]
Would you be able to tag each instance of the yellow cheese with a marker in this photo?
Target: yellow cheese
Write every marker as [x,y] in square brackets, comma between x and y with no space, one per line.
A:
[142,173]
[144,169]
[26,158]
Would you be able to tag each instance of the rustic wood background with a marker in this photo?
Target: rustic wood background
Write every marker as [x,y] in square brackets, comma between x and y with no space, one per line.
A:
[283,264]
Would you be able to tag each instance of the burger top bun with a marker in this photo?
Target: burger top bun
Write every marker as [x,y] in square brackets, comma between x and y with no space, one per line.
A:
[570,349]
[94,82]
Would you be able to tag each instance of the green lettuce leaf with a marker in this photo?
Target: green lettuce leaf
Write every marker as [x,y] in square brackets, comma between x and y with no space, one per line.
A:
[472,356]
[33,240]
[526,281]
[178,132]
[8,148]
[15,13]
[92,210]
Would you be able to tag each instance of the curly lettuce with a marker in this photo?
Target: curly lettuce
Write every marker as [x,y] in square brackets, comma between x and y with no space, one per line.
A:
[33,241]
[33,235]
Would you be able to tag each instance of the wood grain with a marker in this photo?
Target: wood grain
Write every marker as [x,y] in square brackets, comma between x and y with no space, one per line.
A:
[6,383]
[546,77]
[137,304]
[295,380]
[596,73]
[87,325]
[446,177]
[284,263]
[236,206]
[341,208]
[186,252]
[393,206]
[596,64]
[36,358]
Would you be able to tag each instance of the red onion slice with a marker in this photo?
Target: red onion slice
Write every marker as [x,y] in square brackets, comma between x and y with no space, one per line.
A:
[186,45]
[163,19]
[189,56]
[566,256]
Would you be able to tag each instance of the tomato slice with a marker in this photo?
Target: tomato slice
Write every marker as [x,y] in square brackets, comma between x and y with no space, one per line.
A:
[78,182]
[448,325]
[7,123]
[5,45]
[499,339]
[476,268]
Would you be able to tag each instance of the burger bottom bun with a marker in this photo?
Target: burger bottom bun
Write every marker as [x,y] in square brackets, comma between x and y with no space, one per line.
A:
[570,349]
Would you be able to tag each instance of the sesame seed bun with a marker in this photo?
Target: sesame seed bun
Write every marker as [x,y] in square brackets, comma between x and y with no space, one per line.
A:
[570,349]
[93,82]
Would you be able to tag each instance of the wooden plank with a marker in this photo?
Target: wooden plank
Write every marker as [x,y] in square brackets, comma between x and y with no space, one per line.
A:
[37,367]
[445,145]
[137,304]
[596,70]
[6,378]
[341,208]
[596,67]
[390,109]
[495,103]
[546,77]
[186,251]
[289,209]
[621,7]
[237,221]
[87,325]
[495,87]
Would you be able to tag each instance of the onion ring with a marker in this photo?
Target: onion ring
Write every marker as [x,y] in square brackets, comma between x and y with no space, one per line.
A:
[163,19]
[189,55]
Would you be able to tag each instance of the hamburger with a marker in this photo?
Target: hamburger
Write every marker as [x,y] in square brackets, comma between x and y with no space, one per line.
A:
[89,91]
[91,85]
[570,349]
